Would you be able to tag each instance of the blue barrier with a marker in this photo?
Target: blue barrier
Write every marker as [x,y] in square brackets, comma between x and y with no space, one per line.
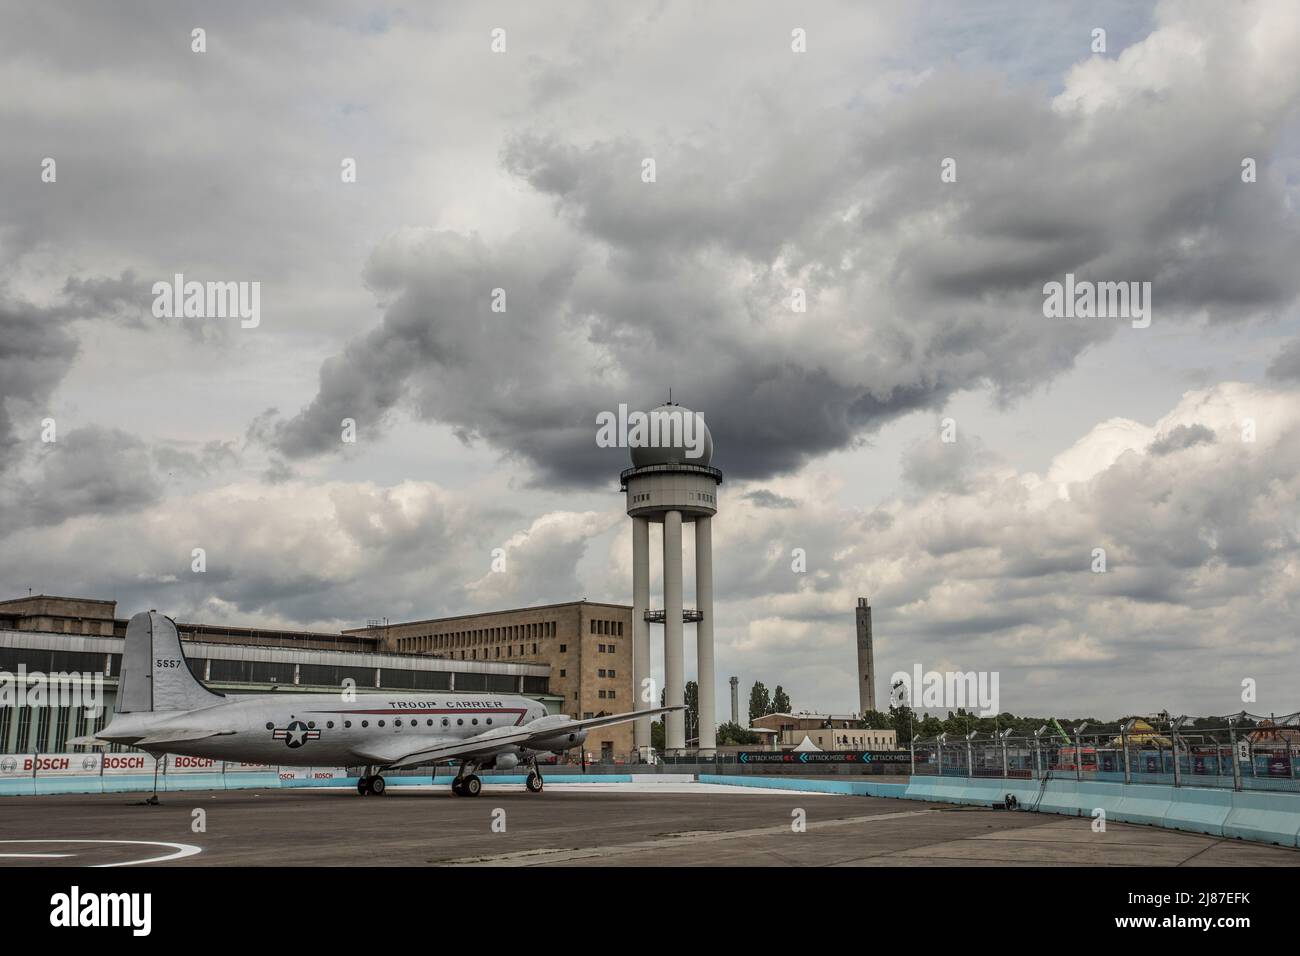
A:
[1199,809]
[1244,814]
[1266,817]
[175,783]
[859,788]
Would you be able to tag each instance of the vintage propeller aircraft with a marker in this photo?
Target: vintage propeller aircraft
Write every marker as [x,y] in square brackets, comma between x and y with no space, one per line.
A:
[162,708]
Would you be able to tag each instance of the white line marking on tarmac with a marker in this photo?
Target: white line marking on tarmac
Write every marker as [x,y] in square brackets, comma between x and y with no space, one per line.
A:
[183,850]
[693,838]
[34,856]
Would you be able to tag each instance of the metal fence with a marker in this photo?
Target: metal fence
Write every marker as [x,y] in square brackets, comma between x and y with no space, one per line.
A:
[1247,752]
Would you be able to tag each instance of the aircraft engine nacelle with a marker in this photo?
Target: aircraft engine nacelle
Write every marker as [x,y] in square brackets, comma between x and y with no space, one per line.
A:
[562,739]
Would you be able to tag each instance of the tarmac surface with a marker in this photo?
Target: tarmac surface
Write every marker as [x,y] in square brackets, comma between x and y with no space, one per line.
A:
[578,825]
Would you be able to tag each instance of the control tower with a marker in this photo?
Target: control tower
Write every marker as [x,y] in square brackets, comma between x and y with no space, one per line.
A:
[668,486]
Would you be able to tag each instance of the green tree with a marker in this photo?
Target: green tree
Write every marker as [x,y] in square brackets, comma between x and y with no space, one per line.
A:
[732,734]
[903,720]
[759,701]
[780,702]
[875,720]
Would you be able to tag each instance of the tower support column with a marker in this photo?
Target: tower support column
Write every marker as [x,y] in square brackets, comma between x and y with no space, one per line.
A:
[704,635]
[641,629]
[674,651]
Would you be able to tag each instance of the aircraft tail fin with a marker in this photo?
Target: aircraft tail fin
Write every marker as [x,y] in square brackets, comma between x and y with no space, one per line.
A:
[155,675]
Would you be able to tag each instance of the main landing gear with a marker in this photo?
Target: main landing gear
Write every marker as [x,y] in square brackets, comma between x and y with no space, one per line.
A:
[467,782]
[370,784]
[467,786]
[534,781]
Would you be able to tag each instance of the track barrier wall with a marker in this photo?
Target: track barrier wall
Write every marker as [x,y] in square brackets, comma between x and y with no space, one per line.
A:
[1247,815]
[1261,816]
[34,775]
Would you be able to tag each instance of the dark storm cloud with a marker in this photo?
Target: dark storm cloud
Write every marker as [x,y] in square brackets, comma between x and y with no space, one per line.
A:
[38,346]
[1180,437]
[764,498]
[36,351]
[90,470]
[916,289]
[1285,366]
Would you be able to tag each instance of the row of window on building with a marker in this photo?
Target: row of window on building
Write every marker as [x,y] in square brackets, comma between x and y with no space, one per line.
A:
[476,638]
[228,671]
[46,729]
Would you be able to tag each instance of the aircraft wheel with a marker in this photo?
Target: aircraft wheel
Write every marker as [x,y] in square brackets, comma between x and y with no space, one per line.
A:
[377,786]
[457,787]
[473,786]
[534,783]
[363,785]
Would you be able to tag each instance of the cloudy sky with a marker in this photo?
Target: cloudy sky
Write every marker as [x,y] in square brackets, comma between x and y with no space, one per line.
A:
[1174,447]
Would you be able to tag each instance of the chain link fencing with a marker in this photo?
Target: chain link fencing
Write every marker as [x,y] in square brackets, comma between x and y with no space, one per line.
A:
[1241,752]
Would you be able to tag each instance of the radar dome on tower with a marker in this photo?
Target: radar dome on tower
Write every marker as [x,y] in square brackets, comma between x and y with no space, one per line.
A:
[688,433]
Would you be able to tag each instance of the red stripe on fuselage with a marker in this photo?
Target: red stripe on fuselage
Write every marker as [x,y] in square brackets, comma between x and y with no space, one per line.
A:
[521,712]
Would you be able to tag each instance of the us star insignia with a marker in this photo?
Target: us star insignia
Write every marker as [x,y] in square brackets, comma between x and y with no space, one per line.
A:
[296,734]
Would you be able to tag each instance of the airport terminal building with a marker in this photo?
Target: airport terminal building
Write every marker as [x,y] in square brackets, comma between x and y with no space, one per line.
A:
[573,657]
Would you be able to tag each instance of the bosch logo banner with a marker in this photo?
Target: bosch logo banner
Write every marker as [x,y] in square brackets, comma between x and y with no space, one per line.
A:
[128,763]
[179,764]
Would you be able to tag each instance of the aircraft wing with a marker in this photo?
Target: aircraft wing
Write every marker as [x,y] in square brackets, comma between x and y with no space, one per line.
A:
[179,737]
[157,740]
[492,741]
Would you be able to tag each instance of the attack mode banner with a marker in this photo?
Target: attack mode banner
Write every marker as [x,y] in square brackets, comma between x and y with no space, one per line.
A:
[178,764]
[128,763]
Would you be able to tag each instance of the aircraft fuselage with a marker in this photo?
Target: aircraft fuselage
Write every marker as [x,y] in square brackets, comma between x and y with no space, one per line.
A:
[325,730]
